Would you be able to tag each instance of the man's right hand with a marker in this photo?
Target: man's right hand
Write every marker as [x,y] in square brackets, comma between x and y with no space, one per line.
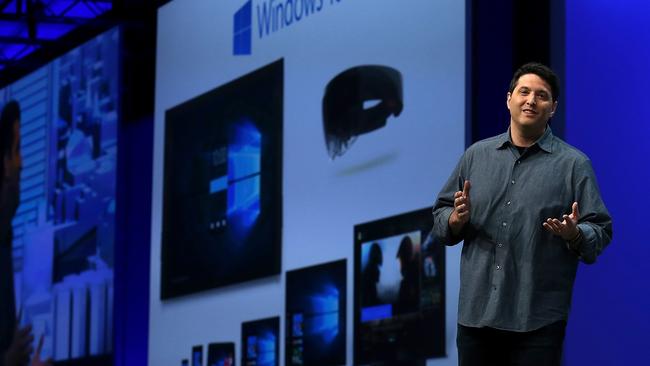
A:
[21,347]
[462,206]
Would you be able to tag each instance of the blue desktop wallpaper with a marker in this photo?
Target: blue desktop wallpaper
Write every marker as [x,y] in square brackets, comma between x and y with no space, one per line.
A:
[64,226]
[261,342]
[244,170]
[316,316]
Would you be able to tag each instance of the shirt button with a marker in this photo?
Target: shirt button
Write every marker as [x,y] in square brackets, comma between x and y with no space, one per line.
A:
[499,245]
[512,181]
[498,267]
[504,224]
[508,203]
[518,161]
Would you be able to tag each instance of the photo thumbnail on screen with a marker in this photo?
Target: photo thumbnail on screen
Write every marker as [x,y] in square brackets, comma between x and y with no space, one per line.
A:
[316,315]
[222,194]
[399,290]
[260,342]
[221,354]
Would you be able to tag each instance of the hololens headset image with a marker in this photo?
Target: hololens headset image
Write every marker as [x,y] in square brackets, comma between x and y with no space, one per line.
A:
[344,114]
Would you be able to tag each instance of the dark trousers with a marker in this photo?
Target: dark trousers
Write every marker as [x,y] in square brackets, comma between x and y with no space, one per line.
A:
[494,347]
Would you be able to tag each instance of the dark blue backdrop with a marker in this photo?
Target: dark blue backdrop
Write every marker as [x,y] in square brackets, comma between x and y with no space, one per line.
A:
[607,78]
[600,49]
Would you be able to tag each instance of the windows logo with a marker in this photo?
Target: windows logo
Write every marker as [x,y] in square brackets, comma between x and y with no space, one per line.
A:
[243,29]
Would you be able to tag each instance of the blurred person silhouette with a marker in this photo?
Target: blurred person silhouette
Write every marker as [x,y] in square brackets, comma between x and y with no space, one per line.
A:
[15,340]
[370,276]
[409,288]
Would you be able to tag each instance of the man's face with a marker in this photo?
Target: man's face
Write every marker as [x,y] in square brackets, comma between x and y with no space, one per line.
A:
[531,103]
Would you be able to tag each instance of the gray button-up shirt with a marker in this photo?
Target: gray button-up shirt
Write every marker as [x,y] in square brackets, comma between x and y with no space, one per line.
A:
[515,275]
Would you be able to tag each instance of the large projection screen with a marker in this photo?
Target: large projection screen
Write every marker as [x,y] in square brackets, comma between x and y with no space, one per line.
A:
[373,124]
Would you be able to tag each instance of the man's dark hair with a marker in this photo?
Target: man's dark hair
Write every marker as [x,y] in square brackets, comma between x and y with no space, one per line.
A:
[10,114]
[543,71]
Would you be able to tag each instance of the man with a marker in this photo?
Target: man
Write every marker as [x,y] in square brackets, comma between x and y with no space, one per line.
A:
[528,208]
[15,342]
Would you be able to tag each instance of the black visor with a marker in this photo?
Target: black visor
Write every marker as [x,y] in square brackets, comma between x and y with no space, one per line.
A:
[344,115]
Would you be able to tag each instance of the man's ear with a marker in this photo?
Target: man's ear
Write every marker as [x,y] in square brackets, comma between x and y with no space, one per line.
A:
[554,108]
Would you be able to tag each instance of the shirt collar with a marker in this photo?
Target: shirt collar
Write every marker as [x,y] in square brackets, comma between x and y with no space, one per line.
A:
[545,142]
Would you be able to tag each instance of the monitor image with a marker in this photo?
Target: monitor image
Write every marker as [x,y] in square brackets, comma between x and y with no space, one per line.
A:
[316,315]
[399,304]
[197,355]
[260,342]
[64,227]
[221,354]
[222,208]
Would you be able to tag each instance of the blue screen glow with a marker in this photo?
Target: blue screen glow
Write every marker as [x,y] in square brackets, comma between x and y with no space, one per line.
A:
[376,312]
[324,314]
[244,166]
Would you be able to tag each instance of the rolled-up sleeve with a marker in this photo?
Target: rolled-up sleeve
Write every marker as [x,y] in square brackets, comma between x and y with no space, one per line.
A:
[444,206]
[595,221]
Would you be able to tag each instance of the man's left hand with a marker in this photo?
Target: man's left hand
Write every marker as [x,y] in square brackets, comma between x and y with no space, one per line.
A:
[568,228]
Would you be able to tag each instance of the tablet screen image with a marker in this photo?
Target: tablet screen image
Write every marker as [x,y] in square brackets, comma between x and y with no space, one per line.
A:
[221,354]
[316,315]
[222,193]
[261,342]
[399,306]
